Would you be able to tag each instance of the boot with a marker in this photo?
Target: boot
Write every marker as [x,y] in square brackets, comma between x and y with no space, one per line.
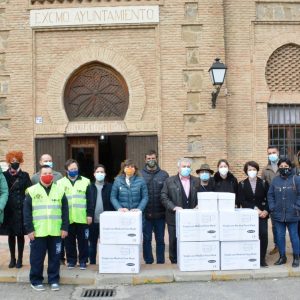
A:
[281,260]
[295,263]
[19,263]
[12,263]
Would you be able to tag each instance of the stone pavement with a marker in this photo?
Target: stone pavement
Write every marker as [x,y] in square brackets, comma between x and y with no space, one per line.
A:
[149,273]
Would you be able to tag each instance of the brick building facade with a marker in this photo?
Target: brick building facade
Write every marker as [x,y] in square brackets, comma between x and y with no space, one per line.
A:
[159,90]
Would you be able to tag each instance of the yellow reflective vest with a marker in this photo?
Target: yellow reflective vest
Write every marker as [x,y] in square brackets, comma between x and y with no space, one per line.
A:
[76,195]
[46,210]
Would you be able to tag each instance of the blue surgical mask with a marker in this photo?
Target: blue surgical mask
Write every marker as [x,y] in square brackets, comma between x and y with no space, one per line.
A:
[49,163]
[273,157]
[100,177]
[204,176]
[185,172]
[73,173]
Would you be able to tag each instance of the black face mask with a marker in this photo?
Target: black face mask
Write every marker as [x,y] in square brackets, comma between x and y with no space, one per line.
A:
[15,165]
[285,171]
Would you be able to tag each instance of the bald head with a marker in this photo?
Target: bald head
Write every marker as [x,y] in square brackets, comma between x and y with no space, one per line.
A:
[46,159]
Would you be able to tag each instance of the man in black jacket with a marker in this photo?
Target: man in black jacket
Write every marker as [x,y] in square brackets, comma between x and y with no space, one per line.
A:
[99,193]
[155,212]
[178,192]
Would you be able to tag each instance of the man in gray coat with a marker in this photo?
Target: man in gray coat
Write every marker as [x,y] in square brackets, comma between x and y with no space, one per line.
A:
[46,159]
[179,192]
[268,173]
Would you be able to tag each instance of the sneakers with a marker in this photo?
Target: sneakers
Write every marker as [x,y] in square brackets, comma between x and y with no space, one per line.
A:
[71,266]
[38,287]
[55,287]
[82,266]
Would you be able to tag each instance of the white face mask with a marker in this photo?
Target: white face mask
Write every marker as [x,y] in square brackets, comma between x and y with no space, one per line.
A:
[223,171]
[252,174]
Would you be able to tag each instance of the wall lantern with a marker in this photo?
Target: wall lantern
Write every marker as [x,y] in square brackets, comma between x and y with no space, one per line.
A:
[217,74]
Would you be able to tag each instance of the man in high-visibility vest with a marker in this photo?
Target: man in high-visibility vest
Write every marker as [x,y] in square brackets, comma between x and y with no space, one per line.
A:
[81,210]
[46,220]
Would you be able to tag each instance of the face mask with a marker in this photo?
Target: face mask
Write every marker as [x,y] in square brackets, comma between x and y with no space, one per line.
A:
[151,163]
[47,179]
[273,157]
[223,171]
[129,171]
[15,165]
[49,163]
[285,171]
[73,173]
[185,172]
[100,177]
[204,176]
[252,174]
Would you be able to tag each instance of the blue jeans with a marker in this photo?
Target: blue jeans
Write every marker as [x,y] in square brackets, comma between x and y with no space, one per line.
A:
[158,227]
[293,231]
[93,242]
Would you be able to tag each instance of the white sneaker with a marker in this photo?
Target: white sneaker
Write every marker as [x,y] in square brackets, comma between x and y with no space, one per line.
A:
[55,287]
[38,287]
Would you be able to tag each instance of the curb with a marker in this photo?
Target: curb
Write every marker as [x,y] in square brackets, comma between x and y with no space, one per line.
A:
[149,275]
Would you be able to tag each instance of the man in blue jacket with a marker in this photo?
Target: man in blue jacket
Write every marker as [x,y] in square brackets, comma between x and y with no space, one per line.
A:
[155,212]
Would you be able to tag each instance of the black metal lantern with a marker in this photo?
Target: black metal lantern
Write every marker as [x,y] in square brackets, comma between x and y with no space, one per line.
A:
[217,74]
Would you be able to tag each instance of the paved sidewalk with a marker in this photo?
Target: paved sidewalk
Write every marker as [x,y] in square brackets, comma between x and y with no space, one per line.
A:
[149,273]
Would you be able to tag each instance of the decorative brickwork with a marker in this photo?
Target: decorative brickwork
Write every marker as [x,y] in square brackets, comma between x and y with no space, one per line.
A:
[283,69]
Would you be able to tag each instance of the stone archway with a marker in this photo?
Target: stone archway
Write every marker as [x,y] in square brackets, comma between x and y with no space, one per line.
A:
[59,78]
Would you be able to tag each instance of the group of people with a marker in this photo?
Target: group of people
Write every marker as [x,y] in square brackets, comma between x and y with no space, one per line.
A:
[60,214]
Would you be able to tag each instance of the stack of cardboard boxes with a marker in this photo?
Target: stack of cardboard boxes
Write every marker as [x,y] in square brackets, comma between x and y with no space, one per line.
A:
[120,242]
[216,235]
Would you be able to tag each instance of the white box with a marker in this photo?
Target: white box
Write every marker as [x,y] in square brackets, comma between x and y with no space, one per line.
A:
[119,259]
[198,256]
[240,255]
[226,201]
[193,225]
[207,201]
[121,228]
[239,225]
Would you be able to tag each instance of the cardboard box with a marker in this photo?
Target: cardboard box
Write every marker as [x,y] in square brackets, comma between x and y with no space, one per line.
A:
[119,259]
[193,225]
[207,201]
[240,255]
[239,225]
[226,201]
[121,228]
[198,256]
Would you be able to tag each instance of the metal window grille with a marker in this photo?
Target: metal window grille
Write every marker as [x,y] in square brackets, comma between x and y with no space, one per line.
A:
[284,128]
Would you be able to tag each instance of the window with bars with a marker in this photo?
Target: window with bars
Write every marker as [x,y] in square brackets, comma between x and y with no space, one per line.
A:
[284,128]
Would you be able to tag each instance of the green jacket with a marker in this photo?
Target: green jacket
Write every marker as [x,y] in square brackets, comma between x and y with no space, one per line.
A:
[3,195]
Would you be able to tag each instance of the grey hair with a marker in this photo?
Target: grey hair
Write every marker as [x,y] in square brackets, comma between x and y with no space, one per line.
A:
[184,159]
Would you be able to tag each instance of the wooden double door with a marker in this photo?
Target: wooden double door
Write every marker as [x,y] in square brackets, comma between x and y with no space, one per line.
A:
[109,150]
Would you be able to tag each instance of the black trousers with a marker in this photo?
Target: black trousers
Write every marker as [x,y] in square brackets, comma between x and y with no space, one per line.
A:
[79,232]
[263,236]
[38,249]
[172,244]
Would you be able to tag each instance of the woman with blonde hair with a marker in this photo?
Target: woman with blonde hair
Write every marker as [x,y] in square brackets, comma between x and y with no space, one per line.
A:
[13,226]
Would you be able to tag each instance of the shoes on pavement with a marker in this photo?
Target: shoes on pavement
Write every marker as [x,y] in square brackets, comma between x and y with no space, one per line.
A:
[71,266]
[19,264]
[82,266]
[263,264]
[55,287]
[281,261]
[274,251]
[38,287]
[12,263]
